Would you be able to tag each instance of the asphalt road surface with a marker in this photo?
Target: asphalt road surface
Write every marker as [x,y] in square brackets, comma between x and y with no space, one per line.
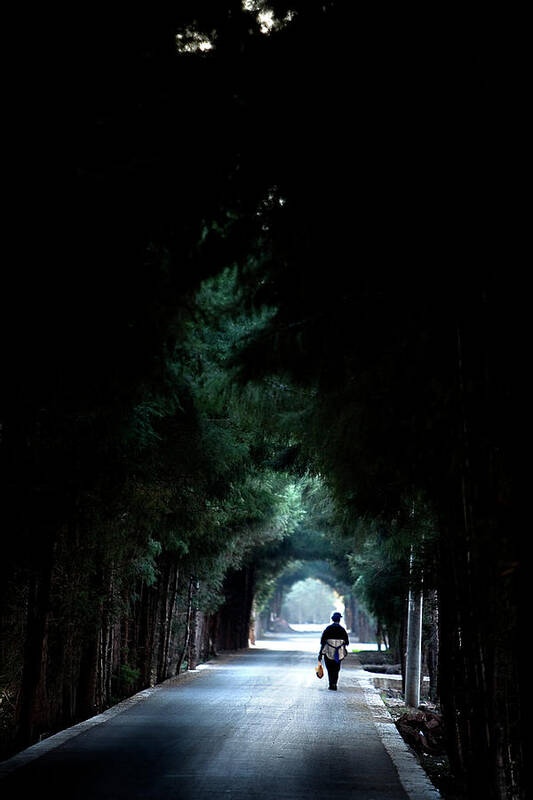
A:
[257,724]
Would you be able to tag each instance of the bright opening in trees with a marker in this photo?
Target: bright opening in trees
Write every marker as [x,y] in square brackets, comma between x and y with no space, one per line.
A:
[311,601]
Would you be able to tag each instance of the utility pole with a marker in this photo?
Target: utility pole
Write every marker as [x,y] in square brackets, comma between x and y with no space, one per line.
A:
[413,665]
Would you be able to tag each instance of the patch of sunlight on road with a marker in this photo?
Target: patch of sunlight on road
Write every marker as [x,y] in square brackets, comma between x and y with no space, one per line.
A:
[305,638]
[288,643]
[306,627]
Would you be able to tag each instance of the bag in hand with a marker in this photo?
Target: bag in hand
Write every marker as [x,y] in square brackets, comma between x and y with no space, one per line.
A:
[319,670]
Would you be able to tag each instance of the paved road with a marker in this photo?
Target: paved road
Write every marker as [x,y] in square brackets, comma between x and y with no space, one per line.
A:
[257,724]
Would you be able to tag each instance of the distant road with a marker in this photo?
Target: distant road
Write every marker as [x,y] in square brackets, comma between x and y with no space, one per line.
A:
[256,724]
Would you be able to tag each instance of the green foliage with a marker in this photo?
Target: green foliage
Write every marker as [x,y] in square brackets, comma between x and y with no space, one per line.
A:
[311,551]
[144,566]
[380,580]
[128,676]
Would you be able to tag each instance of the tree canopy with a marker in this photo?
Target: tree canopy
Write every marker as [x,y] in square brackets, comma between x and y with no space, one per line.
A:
[262,311]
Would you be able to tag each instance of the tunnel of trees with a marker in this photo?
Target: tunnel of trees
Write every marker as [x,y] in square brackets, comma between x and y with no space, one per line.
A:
[261,312]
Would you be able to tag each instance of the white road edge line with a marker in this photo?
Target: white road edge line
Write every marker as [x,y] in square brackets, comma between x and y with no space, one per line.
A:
[414,780]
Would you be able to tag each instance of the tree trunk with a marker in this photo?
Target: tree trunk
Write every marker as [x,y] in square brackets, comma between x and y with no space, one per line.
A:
[431,648]
[234,616]
[171,604]
[88,678]
[193,640]
[33,709]
[186,641]
[478,611]
[163,602]
[146,636]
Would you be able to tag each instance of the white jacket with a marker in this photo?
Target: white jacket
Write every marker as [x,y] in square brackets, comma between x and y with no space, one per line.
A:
[334,649]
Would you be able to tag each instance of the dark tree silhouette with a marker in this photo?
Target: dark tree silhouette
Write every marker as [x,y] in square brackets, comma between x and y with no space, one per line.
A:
[358,170]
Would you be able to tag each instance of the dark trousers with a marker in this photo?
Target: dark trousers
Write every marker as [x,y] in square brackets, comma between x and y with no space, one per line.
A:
[333,668]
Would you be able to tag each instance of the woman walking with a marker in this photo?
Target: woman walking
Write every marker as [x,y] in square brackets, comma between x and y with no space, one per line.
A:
[333,648]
